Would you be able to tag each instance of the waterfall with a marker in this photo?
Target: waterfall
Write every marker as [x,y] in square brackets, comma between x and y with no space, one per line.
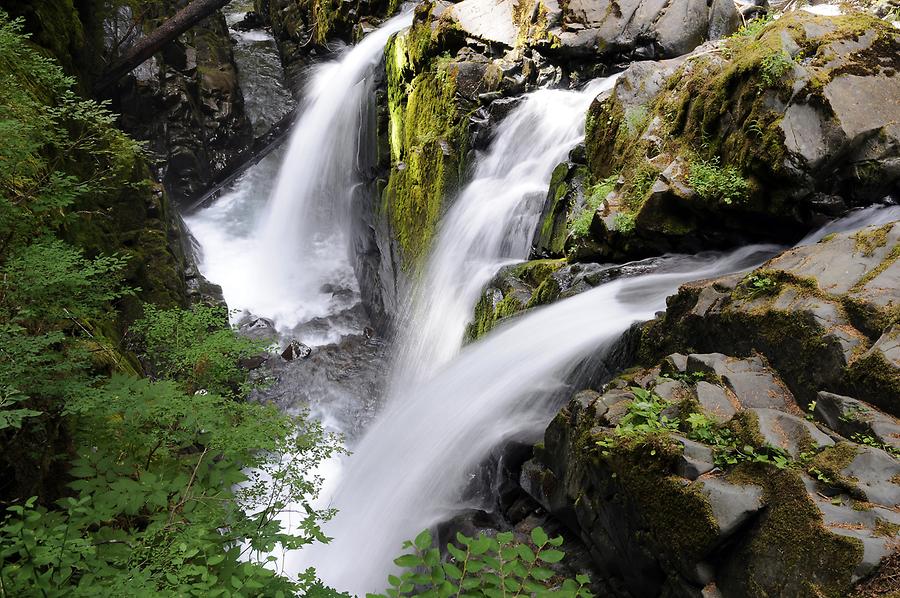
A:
[491,223]
[277,269]
[408,471]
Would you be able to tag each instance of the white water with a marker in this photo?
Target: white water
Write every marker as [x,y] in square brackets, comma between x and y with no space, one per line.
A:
[491,223]
[298,244]
[408,471]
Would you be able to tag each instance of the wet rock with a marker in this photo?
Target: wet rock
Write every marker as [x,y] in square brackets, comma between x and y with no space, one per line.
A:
[257,328]
[296,350]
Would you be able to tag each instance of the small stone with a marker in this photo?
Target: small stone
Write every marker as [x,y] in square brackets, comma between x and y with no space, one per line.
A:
[296,350]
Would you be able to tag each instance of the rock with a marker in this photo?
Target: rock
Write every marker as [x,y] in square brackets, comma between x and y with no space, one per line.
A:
[807,118]
[715,402]
[732,505]
[852,418]
[789,433]
[488,20]
[814,340]
[296,350]
[753,384]
[696,459]
[875,472]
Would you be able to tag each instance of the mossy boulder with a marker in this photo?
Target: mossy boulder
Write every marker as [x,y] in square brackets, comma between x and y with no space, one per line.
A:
[671,502]
[759,136]
[810,311]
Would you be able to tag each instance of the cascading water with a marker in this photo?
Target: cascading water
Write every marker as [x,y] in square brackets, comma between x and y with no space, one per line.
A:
[491,223]
[278,269]
[411,466]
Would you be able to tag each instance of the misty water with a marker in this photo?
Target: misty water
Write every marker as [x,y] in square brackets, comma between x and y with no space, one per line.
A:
[277,243]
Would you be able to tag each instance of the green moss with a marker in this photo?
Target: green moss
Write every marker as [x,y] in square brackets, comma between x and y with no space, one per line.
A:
[886,529]
[871,376]
[790,553]
[828,464]
[428,137]
[677,515]
[868,240]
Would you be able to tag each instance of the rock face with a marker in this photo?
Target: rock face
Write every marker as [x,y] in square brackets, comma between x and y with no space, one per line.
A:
[305,29]
[760,136]
[754,452]
[187,103]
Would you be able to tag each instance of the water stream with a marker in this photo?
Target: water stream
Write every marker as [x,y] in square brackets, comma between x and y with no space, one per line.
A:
[491,223]
[277,243]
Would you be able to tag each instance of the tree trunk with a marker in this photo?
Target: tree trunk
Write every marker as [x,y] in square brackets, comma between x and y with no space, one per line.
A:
[149,45]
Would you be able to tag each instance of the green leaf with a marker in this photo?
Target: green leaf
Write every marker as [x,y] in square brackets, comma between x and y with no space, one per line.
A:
[539,537]
[551,556]
[408,561]
[423,540]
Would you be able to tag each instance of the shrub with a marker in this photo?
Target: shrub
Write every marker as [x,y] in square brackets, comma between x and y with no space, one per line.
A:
[714,182]
[195,346]
[484,566]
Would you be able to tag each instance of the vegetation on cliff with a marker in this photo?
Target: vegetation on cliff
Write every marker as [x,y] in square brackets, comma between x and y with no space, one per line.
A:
[115,483]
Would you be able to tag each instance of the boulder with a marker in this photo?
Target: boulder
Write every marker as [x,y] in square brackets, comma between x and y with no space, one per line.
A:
[855,419]
[755,137]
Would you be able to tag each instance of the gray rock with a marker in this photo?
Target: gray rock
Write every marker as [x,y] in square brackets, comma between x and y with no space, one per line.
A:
[790,433]
[696,459]
[836,265]
[873,471]
[754,385]
[849,417]
[488,20]
[732,505]
[676,363]
[716,403]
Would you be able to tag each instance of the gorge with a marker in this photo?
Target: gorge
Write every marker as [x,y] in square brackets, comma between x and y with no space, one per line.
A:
[626,272]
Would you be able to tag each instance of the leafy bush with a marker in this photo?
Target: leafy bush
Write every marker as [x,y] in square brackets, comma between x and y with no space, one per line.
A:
[713,182]
[195,346]
[484,566]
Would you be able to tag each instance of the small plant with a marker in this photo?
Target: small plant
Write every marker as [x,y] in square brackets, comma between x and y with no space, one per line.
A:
[484,566]
[754,27]
[760,284]
[869,440]
[624,223]
[773,67]
[714,182]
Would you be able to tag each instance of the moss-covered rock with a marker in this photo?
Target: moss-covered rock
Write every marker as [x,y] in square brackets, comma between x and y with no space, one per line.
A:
[758,136]
[793,310]
[670,502]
